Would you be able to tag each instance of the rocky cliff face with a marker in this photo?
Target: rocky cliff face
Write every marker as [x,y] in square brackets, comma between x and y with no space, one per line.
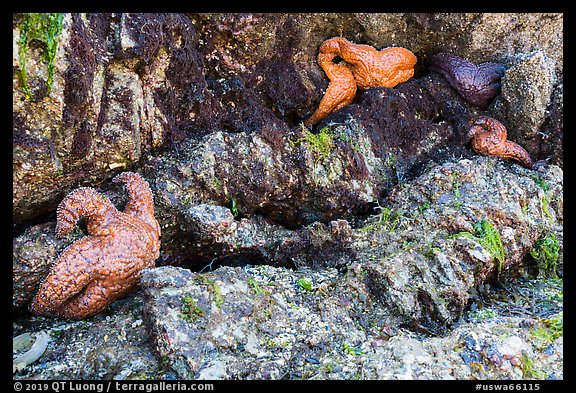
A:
[383,210]
[129,85]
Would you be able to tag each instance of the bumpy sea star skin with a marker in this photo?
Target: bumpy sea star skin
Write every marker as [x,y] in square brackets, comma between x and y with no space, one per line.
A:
[105,265]
[362,67]
[489,138]
[477,84]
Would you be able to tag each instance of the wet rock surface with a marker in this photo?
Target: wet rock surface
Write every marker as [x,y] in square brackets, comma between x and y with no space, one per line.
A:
[111,345]
[526,97]
[261,322]
[269,309]
[376,245]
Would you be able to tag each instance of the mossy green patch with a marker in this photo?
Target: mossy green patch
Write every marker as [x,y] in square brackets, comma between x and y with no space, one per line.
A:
[545,253]
[529,370]
[481,315]
[541,183]
[213,287]
[218,297]
[388,220]
[43,29]
[190,311]
[320,144]
[351,350]
[256,288]
[552,329]
[489,238]
[233,207]
[424,206]
[430,251]
[544,202]
[457,192]
[304,284]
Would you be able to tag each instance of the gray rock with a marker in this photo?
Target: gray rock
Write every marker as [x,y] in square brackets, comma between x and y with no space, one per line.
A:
[289,179]
[425,228]
[509,342]
[260,323]
[526,97]
[272,322]
[254,323]
[378,287]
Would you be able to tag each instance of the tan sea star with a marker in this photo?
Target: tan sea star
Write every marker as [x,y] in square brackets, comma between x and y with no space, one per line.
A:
[362,67]
[105,265]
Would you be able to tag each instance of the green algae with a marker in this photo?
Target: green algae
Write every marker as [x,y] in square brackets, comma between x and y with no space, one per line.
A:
[552,329]
[320,144]
[190,311]
[529,370]
[545,253]
[256,288]
[304,284]
[387,221]
[489,238]
[541,183]
[43,29]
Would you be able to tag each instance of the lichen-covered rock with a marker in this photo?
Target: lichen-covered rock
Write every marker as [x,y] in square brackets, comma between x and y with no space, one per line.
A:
[503,35]
[498,341]
[445,228]
[292,178]
[214,238]
[526,99]
[270,323]
[427,229]
[247,323]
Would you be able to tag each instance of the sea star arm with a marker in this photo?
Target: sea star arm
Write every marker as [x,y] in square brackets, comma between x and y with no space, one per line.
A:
[486,133]
[389,67]
[514,151]
[85,202]
[360,58]
[71,272]
[109,284]
[362,67]
[341,91]
[140,199]
[477,84]
[90,301]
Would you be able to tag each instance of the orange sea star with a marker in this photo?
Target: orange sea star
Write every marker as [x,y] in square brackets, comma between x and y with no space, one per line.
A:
[105,265]
[362,67]
[489,139]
